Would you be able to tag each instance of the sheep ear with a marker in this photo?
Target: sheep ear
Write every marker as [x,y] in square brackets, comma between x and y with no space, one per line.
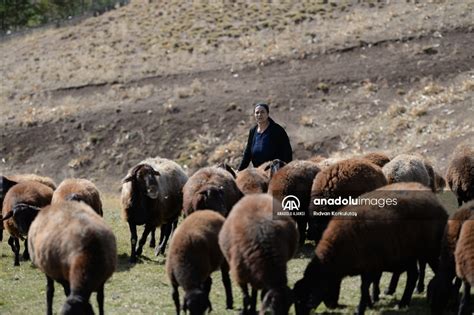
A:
[267,167]
[8,216]
[156,173]
[127,179]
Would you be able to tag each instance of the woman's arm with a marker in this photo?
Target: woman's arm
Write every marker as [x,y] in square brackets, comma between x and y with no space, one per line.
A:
[248,151]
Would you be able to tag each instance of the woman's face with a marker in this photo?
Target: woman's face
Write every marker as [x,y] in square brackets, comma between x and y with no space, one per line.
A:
[261,114]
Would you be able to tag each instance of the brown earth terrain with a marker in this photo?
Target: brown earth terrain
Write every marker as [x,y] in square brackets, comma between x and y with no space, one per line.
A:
[170,79]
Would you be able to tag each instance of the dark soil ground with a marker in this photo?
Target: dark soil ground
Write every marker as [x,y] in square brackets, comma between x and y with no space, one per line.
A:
[409,93]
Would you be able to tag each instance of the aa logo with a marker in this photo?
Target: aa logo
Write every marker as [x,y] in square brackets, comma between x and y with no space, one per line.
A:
[290,203]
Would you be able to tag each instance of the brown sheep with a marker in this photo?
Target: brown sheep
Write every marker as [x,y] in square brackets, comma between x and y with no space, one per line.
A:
[210,188]
[71,244]
[378,158]
[193,255]
[464,256]
[8,182]
[152,196]
[30,193]
[79,189]
[295,179]
[368,240]
[407,168]
[440,288]
[460,174]
[252,181]
[347,178]
[257,245]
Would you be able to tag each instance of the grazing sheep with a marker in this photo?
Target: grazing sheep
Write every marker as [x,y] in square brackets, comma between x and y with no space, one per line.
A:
[8,182]
[441,288]
[406,168]
[347,178]
[464,256]
[252,181]
[378,158]
[210,188]
[152,195]
[79,189]
[71,244]
[295,179]
[193,255]
[257,246]
[30,193]
[460,175]
[373,240]
[271,167]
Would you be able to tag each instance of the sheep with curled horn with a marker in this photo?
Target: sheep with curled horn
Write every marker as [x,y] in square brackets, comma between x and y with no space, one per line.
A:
[152,196]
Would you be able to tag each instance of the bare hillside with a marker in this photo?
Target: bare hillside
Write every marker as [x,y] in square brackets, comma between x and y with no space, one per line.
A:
[178,80]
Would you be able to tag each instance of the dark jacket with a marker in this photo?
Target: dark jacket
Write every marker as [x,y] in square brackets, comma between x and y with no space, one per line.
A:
[279,146]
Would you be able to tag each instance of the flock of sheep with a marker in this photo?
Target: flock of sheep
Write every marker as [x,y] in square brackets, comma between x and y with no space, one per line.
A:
[238,230]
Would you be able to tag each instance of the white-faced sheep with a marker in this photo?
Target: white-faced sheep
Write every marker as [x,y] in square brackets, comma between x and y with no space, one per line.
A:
[257,245]
[441,289]
[460,174]
[30,193]
[79,189]
[252,181]
[344,179]
[464,256]
[71,244]
[406,168]
[152,195]
[210,188]
[372,240]
[295,179]
[193,255]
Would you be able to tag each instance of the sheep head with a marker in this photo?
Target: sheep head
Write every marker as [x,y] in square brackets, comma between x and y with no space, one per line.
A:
[274,166]
[76,305]
[312,289]
[23,215]
[210,197]
[143,175]
[277,301]
[197,302]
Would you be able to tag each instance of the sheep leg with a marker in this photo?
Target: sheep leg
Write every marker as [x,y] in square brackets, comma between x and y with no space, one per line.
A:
[245,299]
[49,295]
[421,277]
[26,255]
[376,287]
[464,306]
[67,289]
[412,275]
[207,288]
[100,299]
[175,295]
[392,287]
[253,301]
[366,280]
[133,240]
[301,223]
[142,241]
[15,246]
[153,239]
[227,285]
[332,297]
[459,201]
[165,232]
